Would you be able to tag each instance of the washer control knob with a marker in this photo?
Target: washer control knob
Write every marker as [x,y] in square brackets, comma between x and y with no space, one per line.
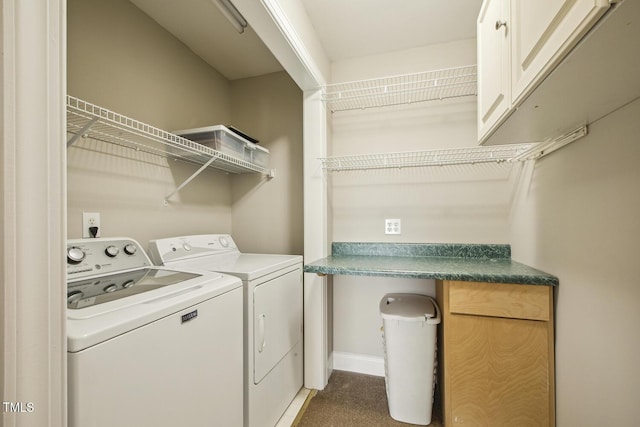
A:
[224,242]
[111,251]
[75,255]
[186,246]
[110,288]
[128,284]
[74,296]
[130,249]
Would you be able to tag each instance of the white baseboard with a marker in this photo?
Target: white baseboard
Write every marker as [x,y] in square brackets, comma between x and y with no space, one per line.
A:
[359,363]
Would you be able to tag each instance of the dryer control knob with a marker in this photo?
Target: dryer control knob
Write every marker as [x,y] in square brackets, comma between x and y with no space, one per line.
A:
[111,251]
[75,255]
[130,249]
[186,246]
[224,242]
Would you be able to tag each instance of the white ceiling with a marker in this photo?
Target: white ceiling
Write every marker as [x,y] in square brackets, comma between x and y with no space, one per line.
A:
[353,28]
[345,28]
[202,27]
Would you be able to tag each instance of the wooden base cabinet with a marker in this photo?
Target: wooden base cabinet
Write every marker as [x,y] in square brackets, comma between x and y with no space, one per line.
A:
[496,354]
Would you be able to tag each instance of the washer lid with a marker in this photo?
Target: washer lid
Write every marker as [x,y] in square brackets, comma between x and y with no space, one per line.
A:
[93,324]
[409,308]
[99,290]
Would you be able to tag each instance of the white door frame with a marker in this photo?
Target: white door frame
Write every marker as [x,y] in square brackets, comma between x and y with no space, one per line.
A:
[286,30]
[33,209]
[33,213]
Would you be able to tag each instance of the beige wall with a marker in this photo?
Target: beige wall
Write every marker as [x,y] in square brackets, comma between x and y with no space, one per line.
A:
[267,214]
[574,214]
[467,203]
[577,216]
[121,59]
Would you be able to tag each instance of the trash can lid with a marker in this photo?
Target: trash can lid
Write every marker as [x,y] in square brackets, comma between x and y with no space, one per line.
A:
[408,307]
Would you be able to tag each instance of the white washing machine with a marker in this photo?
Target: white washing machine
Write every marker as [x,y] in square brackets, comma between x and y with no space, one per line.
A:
[147,345]
[273,298]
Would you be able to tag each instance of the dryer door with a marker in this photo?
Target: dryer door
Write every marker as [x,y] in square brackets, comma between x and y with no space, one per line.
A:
[277,321]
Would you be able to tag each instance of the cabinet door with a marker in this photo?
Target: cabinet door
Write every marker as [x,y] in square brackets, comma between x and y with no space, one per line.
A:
[542,33]
[497,372]
[494,82]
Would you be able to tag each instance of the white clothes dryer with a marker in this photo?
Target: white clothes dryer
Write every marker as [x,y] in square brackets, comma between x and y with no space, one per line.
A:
[147,345]
[273,327]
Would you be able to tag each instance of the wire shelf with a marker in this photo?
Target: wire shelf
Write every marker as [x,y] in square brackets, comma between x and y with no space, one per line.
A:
[87,120]
[403,89]
[409,159]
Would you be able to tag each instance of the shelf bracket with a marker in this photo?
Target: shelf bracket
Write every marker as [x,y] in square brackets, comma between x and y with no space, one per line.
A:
[188,180]
[542,149]
[81,132]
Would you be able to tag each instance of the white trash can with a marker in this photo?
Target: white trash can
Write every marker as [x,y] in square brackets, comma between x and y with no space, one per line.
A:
[410,355]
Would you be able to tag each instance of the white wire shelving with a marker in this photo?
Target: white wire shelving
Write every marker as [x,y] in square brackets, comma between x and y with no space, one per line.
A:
[509,153]
[419,87]
[86,120]
[402,89]
[412,159]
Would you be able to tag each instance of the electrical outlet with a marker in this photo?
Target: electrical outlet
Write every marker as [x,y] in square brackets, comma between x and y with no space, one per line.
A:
[90,219]
[391,226]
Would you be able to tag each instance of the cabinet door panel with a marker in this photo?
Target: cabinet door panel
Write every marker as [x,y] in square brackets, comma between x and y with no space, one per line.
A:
[535,22]
[499,369]
[543,31]
[493,65]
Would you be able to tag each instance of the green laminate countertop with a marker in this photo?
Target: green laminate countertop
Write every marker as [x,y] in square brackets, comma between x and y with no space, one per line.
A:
[466,262]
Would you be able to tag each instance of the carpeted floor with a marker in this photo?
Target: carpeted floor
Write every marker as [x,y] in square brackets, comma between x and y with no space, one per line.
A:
[352,399]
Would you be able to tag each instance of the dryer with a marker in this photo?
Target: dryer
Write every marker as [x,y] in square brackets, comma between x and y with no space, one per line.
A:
[273,318]
[147,345]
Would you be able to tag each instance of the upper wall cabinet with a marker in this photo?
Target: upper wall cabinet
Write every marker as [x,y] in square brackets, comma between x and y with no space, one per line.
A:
[494,75]
[543,32]
[519,43]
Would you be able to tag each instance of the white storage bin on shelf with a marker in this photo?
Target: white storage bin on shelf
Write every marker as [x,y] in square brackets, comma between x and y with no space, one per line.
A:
[410,353]
[260,156]
[221,138]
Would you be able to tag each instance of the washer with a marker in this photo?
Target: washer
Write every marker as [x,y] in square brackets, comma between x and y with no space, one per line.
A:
[147,345]
[273,298]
